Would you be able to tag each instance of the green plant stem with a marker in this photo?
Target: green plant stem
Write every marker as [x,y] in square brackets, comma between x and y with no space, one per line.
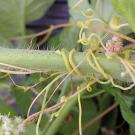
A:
[65,89]
[63,92]
[63,113]
[94,95]
[51,61]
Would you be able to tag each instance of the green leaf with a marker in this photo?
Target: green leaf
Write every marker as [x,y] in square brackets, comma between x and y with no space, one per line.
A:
[23,100]
[102,101]
[69,36]
[16,13]
[75,15]
[12,17]
[5,43]
[103,9]
[126,8]
[30,130]
[132,130]
[36,8]
[109,120]
[67,39]
[89,111]
[6,109]
[126,102]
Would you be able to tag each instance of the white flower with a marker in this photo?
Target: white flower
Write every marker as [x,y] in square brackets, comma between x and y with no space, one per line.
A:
[21,128]
[7,124]
[18,120]
[10,126]
[7,133]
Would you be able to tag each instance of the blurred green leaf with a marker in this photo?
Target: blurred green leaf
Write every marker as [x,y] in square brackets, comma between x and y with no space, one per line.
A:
[102,101]
[16,13]
[30,130]
[126,102]
[89,111]
[69,36]
[5,43]
[36,8]
[6,109]
[103,9]
[23,100]
[105,100]
[132,130]
[66,39]
[32,79]
[75,14]
[126,8]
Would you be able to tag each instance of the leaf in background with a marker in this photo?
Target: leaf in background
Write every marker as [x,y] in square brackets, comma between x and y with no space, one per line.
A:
[67,39]
[126,102]
[111,118]
[69,36]
[105,100]
[119,8]
[5,43]
[103,9]
[126,8]
[16,13]
[6,109]
[132,130]
[75,14]
[23,100]
[36,8]
[89,111]
[5,89]
[30,130]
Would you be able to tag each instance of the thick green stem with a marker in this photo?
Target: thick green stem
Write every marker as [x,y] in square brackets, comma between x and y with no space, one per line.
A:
[51,61]
[63,113]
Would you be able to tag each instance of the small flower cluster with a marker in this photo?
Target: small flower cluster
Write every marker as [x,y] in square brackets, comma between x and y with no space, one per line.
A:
[113,46]
[10,126]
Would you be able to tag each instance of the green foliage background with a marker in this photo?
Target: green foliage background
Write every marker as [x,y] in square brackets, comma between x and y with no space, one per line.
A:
[15,14]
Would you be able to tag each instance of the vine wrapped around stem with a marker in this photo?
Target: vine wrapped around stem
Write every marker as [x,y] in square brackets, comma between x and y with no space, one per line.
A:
[44,61]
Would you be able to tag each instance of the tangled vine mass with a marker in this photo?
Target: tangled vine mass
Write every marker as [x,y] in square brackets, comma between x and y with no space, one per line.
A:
[112,48]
